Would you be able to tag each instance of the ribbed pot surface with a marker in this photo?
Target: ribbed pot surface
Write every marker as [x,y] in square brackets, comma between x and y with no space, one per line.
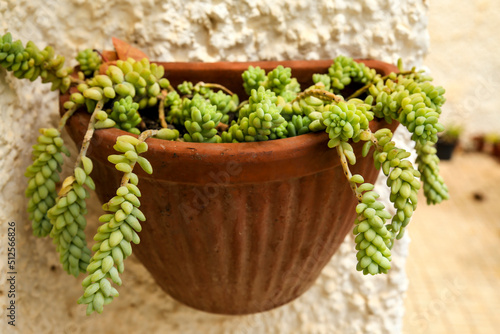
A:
[236,228]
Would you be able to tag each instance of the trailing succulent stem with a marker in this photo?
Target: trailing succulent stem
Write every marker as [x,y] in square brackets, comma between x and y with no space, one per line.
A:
[43,175]
[30,63]
[68,221]
[67,216]
[133,95]
[120,225]
[435,190]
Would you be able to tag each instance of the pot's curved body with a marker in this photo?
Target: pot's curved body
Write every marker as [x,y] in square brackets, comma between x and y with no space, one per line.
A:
[236,228]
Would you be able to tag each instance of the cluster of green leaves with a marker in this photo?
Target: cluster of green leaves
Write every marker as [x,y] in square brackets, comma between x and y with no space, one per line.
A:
[373,238]
[29,62]
[202,121]
[140,80]
[67,217]
[279,81]
[342,73]
[125,114]
[435,190]
[256,119]
[199,115]
[43,175]
[120,227]
[89,62]
[412,100]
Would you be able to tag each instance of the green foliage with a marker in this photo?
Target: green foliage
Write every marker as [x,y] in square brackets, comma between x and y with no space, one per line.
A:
[298,125]
[256,119]
[416,105]
[202,122]
[168,134]
[279,81]
[225,103]
[30,63]
[373,239]
[345,121]
[435,189]
[103,121]
[345,70]
[402,179]
[125,114]
[120,228]
[253,78]
[67,218]
[177,114]
[187,88]
[413,101]
[140,80]
[43,175]
[322,81]
[89,61]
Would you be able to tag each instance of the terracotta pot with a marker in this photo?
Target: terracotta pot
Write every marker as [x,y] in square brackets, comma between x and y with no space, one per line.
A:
[496,150]
[236,228]
[478,143]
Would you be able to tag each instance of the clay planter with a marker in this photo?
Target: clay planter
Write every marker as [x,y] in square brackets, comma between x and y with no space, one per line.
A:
[496,150]
[236,228]
[445,149]
[478,143]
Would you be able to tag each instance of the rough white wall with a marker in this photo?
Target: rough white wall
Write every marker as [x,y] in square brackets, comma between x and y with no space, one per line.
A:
[342,300]
[464,59]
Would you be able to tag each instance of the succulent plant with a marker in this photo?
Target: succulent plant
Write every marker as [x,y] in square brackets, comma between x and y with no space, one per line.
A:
[132,94]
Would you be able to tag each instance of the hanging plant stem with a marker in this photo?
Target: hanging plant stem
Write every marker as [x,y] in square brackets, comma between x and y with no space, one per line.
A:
[318,93]
[161,109]
[65,117]
[214,85]
[120,227]
[367,86]
[90,132]
[348,174]
[142,138]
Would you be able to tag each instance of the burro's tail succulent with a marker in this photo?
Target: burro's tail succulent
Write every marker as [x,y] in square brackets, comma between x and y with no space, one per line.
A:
[133,95]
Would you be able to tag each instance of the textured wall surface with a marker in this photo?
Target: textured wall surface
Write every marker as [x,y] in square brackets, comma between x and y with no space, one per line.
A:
[464,59]
[342,300]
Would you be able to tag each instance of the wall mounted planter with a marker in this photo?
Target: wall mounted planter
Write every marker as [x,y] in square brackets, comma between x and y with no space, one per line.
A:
[237,228]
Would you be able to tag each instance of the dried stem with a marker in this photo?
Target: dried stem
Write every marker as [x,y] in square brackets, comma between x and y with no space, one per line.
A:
[373,139]
[367,86]
[65,117]
[241,105]
[76,80]
[161,109]
[347,173]
[216,86]
[89,133]
[101,55]
[320,94]
[170,88]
